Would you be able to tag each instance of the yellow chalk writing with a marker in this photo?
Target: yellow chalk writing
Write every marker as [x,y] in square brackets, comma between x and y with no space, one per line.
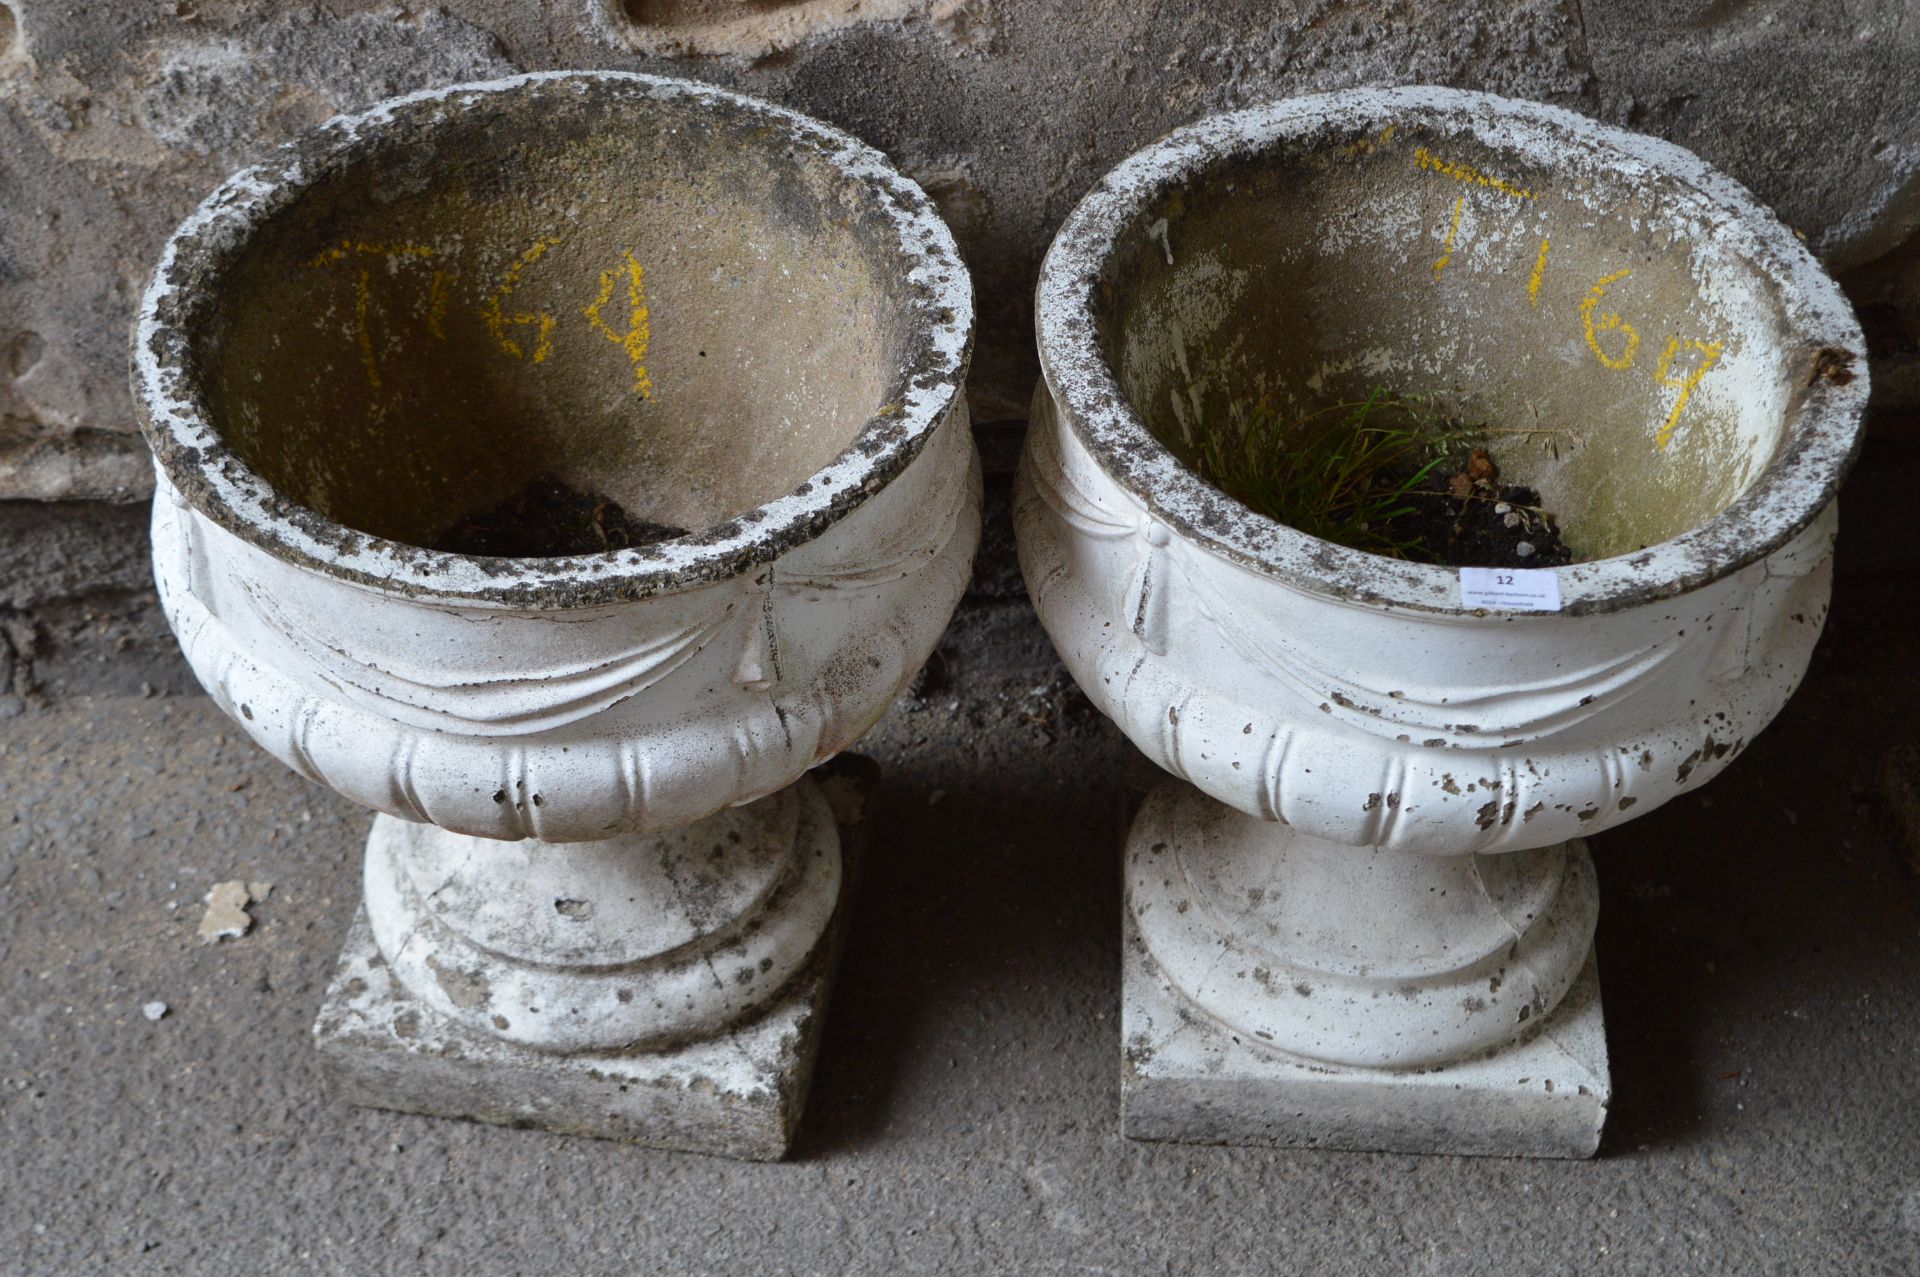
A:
[639,330]
[1365,146]
[1614,342]
[1425,159]
[363,331]
[1609,321]
[363,289]
[1539,273]
[348,247]
[1709,355]
[498,321]
[1459,206]
[437,305]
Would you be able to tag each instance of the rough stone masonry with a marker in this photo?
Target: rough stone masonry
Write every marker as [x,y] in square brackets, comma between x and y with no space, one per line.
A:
[116,119]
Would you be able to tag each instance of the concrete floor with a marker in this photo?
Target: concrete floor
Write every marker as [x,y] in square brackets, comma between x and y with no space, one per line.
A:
[1759,951]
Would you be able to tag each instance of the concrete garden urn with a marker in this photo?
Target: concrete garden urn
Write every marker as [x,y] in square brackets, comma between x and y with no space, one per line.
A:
[1361,913]
[601,895]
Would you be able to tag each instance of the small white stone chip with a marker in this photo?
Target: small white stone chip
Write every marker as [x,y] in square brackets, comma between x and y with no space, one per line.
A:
[154,1010]
[1510,589]
[227,917]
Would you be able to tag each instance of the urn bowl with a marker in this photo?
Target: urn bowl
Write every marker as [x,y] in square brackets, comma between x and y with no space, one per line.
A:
[1679,380]
[736,325]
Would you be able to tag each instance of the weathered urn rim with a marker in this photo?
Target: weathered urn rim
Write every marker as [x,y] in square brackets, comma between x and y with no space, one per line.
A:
[210,476]
[1822,434]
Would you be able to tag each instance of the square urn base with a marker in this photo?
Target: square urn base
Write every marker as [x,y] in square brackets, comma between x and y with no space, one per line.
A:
[1188,1078]
[736,1095]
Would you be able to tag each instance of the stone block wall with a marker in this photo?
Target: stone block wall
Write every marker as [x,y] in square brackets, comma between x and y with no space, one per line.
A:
[116,118]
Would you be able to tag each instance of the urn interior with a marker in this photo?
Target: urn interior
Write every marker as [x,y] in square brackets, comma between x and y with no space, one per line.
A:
[1532,282]
[664,300]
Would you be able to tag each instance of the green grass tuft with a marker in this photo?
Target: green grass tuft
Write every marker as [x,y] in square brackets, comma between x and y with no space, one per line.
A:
[1341,473]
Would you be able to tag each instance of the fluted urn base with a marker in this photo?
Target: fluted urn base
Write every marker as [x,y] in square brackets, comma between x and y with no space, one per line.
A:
[1283,990]
[430,1012]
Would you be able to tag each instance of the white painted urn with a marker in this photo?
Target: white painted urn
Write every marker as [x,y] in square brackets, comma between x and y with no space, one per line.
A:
[1361,913]
[602,893]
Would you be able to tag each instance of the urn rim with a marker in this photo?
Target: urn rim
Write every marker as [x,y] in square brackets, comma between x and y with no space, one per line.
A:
[197,468]
[1819,443]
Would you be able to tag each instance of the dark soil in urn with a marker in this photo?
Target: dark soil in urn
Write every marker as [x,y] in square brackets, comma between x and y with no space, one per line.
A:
[1466,518]
[551,519]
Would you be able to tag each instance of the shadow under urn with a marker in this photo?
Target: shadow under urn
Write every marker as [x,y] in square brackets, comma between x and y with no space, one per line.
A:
[703,357]
[1360,914]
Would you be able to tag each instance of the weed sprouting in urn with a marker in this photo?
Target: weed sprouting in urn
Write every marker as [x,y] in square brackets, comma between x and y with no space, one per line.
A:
[1392,474]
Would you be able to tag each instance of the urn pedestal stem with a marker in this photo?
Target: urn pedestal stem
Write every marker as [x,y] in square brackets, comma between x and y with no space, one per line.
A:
[1354,956]
[667,989]
[628,943]
[1284,989]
